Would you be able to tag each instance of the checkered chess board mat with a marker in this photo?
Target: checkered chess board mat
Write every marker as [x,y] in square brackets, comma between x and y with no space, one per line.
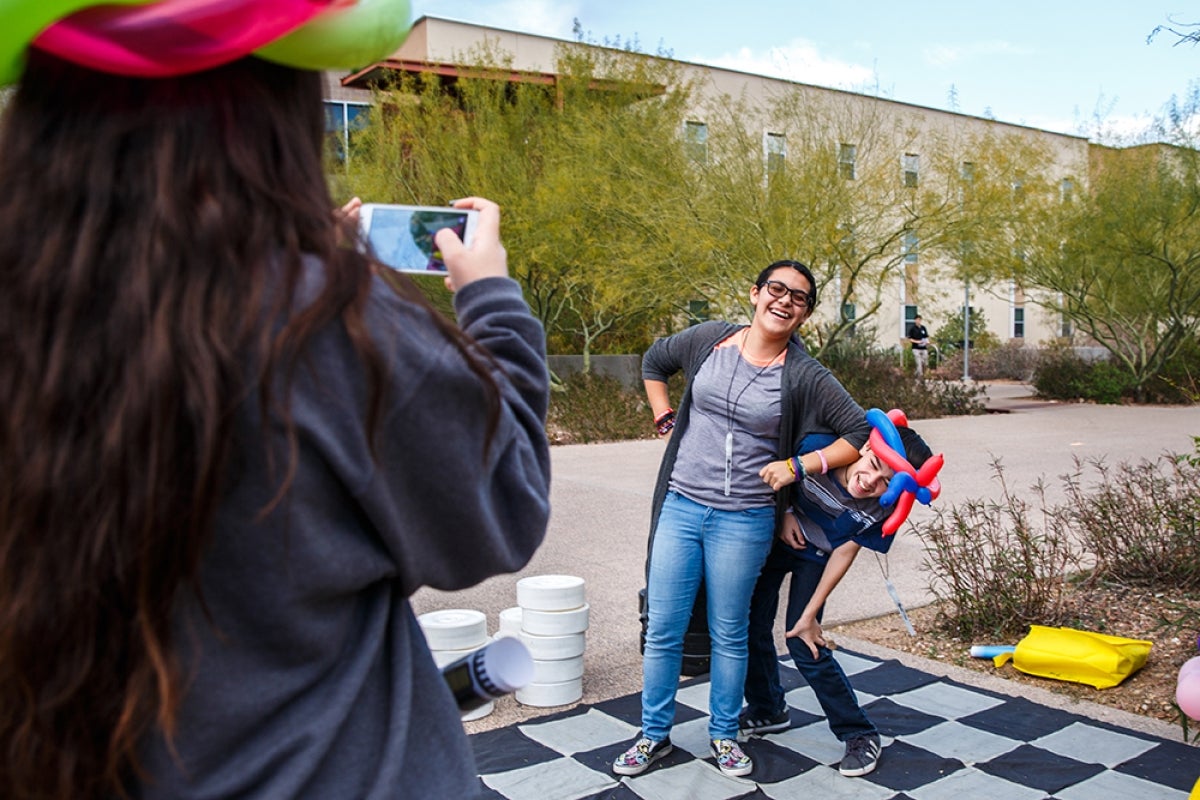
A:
[941,740]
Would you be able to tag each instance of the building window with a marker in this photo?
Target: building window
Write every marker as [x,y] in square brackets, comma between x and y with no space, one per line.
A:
[342,120]
[1066,190]
[847,249]
[776,146]
[910,316]
[910,167]
[847,154]
[967,172]
[909,246]
[849,314]
[695,141]
[1018,326]
[697,311]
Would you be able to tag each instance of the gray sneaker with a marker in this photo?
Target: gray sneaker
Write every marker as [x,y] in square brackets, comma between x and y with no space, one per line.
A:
[862,756]
[757,726]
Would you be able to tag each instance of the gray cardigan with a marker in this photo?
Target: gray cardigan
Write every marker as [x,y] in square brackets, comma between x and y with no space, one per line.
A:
[313,678]
[813,399]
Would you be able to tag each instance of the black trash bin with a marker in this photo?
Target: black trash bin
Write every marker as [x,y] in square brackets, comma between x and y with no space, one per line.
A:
[697,646]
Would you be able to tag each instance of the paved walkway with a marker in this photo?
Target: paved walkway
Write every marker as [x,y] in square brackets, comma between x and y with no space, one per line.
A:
[601,505]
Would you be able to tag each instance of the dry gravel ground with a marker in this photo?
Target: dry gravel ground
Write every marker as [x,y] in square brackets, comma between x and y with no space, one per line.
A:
[1118,611]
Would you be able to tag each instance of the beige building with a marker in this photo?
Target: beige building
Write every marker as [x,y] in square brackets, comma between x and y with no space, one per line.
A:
[920,136]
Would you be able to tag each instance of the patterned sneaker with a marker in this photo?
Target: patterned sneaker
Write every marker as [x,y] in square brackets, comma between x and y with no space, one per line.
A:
[638,758]
[757,726]
[730,758]
[862,756]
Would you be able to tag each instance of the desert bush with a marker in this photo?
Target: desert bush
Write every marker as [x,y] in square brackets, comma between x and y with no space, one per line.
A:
[586,407]
[998,566]
[1179,381]
[1141,521]
[875,379]
[1137,524]
[1062,374]
[1012,361]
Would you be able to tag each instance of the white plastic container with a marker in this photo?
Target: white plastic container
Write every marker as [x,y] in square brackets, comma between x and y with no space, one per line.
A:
[553,648]
[444,657]
[510,622]
[454,629]
[550,592]
[551,694]
[554,623]
[480,712]
[565,669]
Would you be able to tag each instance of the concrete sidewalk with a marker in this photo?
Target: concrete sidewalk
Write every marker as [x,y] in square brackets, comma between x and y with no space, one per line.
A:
[601,514]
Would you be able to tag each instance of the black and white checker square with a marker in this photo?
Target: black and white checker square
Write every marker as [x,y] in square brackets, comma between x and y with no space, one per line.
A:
[943,740]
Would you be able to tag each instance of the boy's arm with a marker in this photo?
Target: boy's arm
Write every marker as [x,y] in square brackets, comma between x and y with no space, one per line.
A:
[807,629]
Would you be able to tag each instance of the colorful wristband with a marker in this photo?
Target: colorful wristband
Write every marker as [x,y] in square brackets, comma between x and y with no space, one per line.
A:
[824,463]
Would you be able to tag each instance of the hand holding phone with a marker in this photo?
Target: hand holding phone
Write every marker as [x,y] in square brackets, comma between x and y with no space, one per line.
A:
[403,237]
[484,257]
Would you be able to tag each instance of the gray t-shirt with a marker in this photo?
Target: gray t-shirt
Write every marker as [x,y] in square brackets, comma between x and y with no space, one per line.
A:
[737,403]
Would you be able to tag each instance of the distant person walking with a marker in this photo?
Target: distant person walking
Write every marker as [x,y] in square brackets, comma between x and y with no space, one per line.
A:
[918,334]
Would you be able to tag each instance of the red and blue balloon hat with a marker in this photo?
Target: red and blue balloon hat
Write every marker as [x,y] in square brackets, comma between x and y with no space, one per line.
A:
[164,38]
[908,484]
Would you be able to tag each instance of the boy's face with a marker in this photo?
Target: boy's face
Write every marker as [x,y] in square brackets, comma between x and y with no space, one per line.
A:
[869,476]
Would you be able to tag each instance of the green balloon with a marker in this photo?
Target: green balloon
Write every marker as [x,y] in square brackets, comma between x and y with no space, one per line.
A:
[23,20]
[343,38]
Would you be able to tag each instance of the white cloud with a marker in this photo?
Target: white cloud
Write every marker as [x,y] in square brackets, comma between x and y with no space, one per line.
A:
[798,61]
[944,55]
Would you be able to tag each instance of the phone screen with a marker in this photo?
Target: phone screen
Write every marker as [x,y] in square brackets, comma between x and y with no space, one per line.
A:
[402,236]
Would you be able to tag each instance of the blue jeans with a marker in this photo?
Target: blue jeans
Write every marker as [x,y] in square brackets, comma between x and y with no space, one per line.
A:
[725,549]
[764,692]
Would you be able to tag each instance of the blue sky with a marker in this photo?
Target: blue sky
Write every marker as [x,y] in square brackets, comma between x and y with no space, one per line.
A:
[1052,64]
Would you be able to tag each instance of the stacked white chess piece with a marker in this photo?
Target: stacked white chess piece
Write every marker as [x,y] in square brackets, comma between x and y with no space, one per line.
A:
[551,620]
[453,633]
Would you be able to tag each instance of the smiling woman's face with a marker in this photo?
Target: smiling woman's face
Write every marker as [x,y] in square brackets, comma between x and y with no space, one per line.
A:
[781,314]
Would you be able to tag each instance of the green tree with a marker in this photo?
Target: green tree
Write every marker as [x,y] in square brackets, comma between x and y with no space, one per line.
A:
[838,201]
[1127,270]
[587,169]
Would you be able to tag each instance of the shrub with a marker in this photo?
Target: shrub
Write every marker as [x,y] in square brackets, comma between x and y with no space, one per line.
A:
[998,571]
[1063,375]
[1179,380]
[875,379]
[1012,361]
[587,407]
[1140,521]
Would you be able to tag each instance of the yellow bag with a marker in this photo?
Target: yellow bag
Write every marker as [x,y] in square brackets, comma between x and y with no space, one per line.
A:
[1067,654]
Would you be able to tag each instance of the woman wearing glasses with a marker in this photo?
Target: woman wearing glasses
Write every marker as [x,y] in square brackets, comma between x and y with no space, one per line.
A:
[752,393]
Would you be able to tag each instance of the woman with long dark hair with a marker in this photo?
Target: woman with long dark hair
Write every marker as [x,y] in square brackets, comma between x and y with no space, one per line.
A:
[231,451]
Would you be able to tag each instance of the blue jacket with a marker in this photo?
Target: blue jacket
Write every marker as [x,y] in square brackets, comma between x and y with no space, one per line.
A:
[829,516]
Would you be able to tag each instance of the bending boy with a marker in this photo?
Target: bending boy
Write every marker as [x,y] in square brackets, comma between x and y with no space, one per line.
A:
[832,516]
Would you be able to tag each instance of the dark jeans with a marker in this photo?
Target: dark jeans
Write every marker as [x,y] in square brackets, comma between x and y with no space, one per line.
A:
[764,692]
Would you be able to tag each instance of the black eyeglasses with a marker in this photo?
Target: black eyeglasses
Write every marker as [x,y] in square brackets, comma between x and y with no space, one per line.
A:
[779,289]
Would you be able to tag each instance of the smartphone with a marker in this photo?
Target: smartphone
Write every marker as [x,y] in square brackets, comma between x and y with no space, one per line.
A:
[401,237]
